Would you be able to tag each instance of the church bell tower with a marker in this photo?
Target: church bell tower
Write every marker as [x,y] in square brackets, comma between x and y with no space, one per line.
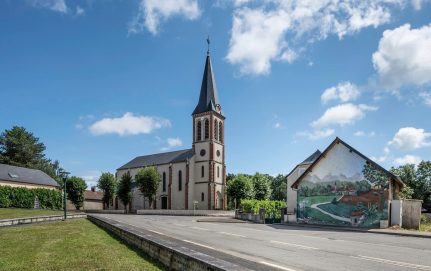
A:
[208,144]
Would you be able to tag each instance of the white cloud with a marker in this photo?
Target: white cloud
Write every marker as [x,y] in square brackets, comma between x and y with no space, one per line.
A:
[152,12]
[277,125]
[410,138]
[403,57]
[54,5]
[128,124]
[382,158]
[407,159]
[343,114]
[316,134]
[261,29]
[344,92]
[362,134]
[426,97]
[174,142]
[79,11]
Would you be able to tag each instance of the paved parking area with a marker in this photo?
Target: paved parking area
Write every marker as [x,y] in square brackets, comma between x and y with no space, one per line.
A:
[277,247]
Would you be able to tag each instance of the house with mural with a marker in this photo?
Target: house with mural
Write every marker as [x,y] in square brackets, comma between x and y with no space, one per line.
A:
[341,187]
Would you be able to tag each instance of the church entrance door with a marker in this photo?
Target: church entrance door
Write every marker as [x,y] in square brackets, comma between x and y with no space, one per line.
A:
[164,202]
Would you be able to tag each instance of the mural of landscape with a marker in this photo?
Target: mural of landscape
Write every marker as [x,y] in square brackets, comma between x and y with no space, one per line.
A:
[349,194]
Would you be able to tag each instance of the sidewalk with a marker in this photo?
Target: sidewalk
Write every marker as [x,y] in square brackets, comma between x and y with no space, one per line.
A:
[399,232]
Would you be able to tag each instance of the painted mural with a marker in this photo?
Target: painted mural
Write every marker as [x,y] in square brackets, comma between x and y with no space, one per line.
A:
[343,190]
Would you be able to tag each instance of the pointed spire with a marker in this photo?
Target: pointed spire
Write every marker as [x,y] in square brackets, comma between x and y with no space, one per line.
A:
[208,100]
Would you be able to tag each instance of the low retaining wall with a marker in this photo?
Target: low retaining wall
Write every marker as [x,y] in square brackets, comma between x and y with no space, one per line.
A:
[250,217]
[172,255]
[37,219]
[187,212]
[105,211]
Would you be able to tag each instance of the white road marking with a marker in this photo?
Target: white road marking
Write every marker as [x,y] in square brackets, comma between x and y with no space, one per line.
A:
[201,229]
[402,264]
[293,245]
[277,266]
[232,234]
[201,245]
[155,232]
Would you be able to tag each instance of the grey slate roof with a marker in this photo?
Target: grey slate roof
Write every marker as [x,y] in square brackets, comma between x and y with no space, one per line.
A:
[159,159]
[312,157]
[25,175]
[208,99]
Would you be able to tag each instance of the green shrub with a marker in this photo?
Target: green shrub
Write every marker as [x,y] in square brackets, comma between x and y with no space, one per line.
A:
[21,197]
[424,218]
[272,207]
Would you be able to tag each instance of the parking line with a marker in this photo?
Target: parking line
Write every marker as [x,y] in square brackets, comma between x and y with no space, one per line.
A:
[396,263]
[293,245]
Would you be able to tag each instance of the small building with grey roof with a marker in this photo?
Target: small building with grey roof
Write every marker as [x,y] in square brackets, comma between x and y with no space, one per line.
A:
[25,177]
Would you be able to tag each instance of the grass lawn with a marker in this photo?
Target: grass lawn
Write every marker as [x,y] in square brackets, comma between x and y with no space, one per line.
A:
[6,213]
[71,245]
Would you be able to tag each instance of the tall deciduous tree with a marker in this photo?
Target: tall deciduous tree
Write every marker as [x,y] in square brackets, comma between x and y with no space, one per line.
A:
[75,191]
[108,185]
[279,188]
[239,187]
[148,180]
[124,191]
[417,179]
[261,186]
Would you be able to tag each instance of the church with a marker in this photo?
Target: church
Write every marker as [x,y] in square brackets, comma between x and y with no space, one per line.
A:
[190,178]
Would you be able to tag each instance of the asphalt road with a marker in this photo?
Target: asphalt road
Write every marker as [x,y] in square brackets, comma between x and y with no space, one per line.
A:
[278,247]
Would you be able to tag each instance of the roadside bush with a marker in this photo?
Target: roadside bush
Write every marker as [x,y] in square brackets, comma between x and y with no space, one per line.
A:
[424,218]
[272,207]
[21,197]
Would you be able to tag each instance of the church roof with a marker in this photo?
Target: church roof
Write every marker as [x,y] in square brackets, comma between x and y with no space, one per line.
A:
[159,159]
[208,99]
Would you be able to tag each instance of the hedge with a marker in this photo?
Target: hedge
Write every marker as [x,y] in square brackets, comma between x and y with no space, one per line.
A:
[272,207]
[21,197]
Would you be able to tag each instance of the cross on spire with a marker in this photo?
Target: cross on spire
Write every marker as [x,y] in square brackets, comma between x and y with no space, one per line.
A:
[208,42]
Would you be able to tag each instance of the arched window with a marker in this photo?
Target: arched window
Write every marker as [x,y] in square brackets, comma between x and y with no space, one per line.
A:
[220,130]
[180,181]
[215,130]
[202,171]
[202,196]
[218,172]
[164,182]
[207,129]
[199,131]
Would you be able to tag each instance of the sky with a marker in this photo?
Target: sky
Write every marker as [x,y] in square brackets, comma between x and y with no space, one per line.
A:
[101,82]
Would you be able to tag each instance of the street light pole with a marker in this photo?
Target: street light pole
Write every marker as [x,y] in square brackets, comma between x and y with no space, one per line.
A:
[64,175]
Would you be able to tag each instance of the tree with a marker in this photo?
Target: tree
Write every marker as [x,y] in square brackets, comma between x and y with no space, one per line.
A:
[423,178]
[124,191]
[75,191]
[279,188]
[239,187]
[375,176]
[108,185]
[418,180]
[261,186]
[20,147]
[148,180]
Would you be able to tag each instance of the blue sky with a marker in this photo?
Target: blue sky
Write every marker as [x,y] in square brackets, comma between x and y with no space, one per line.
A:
[100,82]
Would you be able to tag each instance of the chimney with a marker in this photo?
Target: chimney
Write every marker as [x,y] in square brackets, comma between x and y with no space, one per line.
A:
[93,189]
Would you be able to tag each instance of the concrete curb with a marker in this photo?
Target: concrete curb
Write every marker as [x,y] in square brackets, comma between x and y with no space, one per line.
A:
[37,219]
[212,213]
[378,231]
[221,220]
[172,255]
